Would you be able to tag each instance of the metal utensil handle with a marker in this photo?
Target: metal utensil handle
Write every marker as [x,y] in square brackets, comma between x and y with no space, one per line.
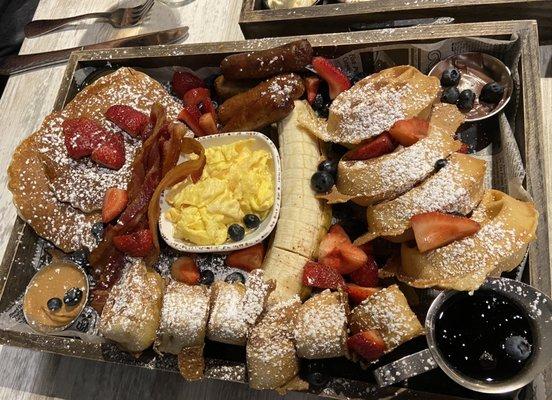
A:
[41,26]
[19,63]
[406,367]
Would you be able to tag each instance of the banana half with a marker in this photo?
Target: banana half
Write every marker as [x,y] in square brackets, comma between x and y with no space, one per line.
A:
[507,227]
[456,188]
[386,177]
[303,218]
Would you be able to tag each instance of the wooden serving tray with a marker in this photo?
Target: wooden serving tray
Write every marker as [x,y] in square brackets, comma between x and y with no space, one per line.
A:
[256,21]
[24,249]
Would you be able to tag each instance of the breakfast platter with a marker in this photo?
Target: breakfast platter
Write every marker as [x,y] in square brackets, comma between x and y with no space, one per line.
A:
[292,213]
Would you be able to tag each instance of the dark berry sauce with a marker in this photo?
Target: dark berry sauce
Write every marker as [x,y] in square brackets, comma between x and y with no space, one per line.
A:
[485,336]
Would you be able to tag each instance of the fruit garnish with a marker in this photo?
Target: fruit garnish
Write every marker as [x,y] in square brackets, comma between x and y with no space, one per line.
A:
[466,98]
[337,80]
[357,294]
[383,144]
[322,181]
[367,344]
[311,85]
[82,136]
[127,118]
[450,95]
[329,166]
[321,276]
[464,149]
[435,229]
[111,153]
[72,297]
[206,277]
[409,131]
[492,92]
[54,304]
[440,164]
[184,269]
[190,115]
[137,244]
[517,348]
[236,232]
[450,77]
[251,221]
[235,277]
[367,275]
[247,259]
[183,81]
[207,124]
[207,106]
[337,251]
[195,96]
[114,202]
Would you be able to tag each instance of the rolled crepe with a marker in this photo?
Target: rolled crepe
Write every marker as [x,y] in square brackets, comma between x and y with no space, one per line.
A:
[507,227]
[226,322]
[321,326]
[386,177]
[456,188]
[183,317]
[132,311]
[387,311]
[271,359]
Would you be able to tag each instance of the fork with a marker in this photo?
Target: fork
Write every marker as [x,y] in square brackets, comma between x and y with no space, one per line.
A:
[119,18]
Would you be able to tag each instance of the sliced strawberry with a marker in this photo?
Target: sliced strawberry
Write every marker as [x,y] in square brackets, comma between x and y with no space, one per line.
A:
[311,84]
[409,131]
[435,229]
[464,148]
[82,136]
[111,153]
[367,275]
[335,237]
[207,124]
[207,106]
[137,244]
[321,276]
[114,202]
[367,344]
[247,259]
[337,80]
[184,269]
[128,119]
[357,294]
[337,251]
[195,96]
[191,115]
[183,81]
[383,144]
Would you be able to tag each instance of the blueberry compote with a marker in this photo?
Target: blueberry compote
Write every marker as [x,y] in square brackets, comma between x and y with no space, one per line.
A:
[485,336]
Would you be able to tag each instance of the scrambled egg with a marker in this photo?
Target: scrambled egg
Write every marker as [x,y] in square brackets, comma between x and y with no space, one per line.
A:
[236,180]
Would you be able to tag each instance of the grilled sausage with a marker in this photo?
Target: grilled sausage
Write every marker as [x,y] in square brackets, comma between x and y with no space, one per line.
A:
[291,57]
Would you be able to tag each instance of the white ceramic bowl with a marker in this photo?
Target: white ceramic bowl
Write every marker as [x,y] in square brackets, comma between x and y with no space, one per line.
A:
[251,237]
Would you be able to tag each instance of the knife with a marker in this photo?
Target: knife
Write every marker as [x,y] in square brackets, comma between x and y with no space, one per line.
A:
[19,63]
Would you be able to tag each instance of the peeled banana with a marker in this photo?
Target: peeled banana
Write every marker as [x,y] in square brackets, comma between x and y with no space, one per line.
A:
[303,218]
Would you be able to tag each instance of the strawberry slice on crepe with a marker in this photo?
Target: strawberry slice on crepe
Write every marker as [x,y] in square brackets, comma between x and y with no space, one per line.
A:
[435,229]
[381,145]
[128,119]
[337,251]
[337,80]
[321,276]
[357,294]
[409,131]
[367,344]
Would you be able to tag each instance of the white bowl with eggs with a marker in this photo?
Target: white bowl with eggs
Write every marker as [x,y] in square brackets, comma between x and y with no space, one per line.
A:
[252,236]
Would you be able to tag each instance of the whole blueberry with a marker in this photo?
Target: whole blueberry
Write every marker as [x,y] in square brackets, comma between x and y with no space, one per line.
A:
[315,373]
[54,304]
[329,166]
[252,221]
[80,257]
[72,297]
[450,77]
[466,100]
[492,92]
[206,277]
[517,348]
[235,277]
[98,230]
[450,95]
[236,232]
[441,163]
[322,181]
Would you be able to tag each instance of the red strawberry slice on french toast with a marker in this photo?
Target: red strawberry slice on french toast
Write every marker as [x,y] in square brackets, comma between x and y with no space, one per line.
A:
[82,136]
[435,229]
[381,145]
[409,131]
[111,152]
[128,119]
[367,344]
[321,276]
[115,201]
[337,251]
[357,294]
